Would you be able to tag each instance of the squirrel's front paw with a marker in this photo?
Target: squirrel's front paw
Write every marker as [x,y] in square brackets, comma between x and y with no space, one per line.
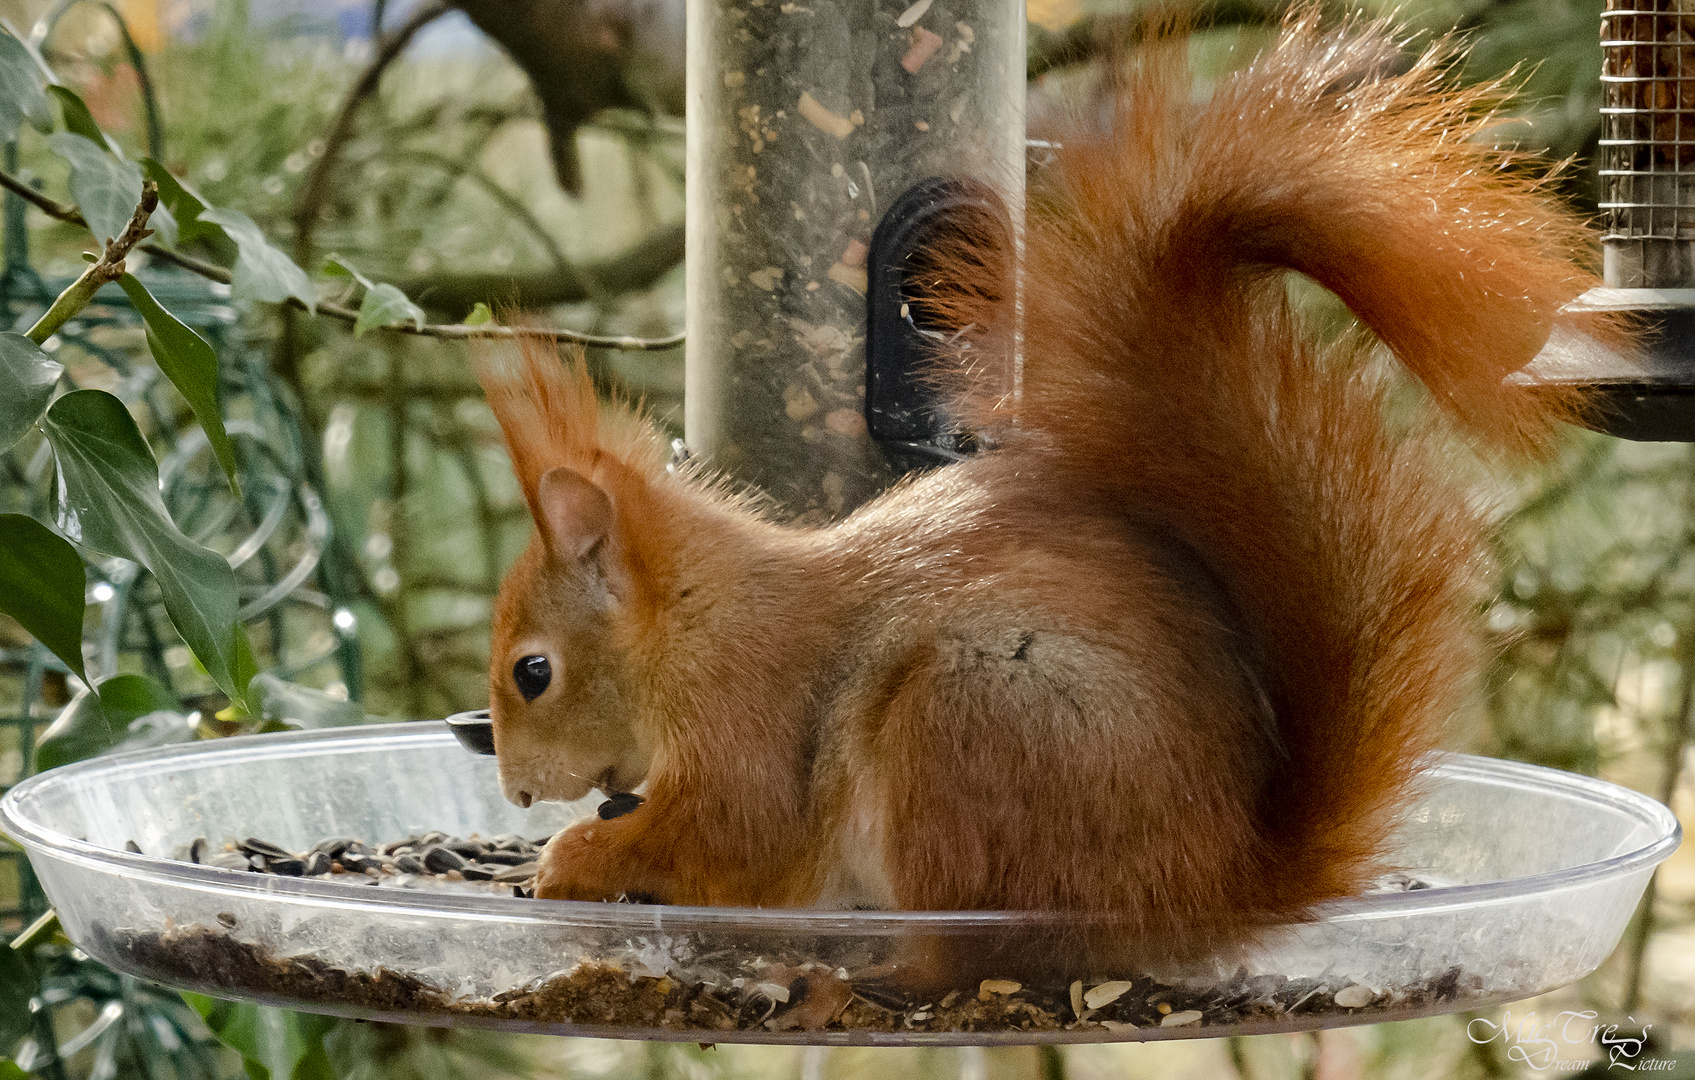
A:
[579,864]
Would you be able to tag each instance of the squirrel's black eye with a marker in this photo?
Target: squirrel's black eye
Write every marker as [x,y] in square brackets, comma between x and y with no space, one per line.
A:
[532,675]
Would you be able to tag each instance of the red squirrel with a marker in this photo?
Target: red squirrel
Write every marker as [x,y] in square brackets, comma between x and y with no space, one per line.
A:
[1172,648]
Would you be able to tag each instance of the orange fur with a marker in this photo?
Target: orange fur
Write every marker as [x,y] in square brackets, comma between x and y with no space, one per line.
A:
[1169,653]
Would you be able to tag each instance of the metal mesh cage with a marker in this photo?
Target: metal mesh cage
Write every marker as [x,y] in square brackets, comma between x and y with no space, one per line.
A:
[1648,119]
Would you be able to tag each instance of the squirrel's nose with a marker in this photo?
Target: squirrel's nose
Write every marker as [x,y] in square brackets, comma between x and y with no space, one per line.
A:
[524,799]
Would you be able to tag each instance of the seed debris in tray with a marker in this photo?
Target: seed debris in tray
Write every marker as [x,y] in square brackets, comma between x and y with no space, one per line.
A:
[766,995]
[795,993]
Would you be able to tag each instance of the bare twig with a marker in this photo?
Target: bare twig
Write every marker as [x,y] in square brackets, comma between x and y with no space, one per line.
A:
[449,331]
[107,268]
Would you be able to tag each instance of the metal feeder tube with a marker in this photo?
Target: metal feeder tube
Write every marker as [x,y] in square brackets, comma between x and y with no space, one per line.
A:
[807,123]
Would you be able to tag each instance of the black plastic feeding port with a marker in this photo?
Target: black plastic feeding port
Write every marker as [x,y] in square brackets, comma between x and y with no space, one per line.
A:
[1659,404]
[905,336]
[1648,395]
[474,730]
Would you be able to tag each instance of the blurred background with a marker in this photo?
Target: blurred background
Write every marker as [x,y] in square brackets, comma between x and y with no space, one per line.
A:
[530,152]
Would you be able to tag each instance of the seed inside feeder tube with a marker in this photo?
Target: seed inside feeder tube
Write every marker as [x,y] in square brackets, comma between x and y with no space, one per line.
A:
[823,119]
[913,13]
[924,45]
[854,277]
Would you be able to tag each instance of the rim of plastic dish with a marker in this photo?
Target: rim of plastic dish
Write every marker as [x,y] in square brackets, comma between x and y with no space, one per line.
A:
[648,917]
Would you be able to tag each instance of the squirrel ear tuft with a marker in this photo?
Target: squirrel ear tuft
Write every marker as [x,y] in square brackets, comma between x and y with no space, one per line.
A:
[572,512]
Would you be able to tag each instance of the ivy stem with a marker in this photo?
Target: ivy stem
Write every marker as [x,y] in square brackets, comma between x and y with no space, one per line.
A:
[107,268]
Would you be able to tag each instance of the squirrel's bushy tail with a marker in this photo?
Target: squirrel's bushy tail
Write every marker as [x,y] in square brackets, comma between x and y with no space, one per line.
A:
[1164,373]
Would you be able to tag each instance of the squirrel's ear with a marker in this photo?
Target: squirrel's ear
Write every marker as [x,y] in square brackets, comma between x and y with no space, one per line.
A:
[572,512]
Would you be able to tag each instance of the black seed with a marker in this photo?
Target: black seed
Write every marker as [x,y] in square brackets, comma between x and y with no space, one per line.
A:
[521,872]
[257,862]
[317,863]
[357,863]
[227,919]
[468,848]
[441,860]
[410,864]
[199,851]
[519,892]
[475,872]
[287,867]
[132,847]
[431,838]
[619,805]
[255,846]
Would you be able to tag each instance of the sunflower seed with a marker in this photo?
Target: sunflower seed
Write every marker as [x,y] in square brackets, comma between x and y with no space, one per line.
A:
[441,860]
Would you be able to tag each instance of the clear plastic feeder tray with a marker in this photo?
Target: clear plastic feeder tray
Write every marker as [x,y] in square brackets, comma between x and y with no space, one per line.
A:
[1546,869]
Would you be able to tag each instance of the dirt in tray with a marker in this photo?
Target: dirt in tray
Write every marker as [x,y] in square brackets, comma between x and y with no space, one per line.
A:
[768,995]
[714,995]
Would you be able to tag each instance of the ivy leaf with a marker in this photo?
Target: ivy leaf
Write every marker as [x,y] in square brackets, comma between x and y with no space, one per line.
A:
[27,379]
[41,586]
[105,188]
[22,93]
[78,120]
[274,1044]
[384,304]
[190,363]
[185,204]
[480,315]
[108,499]
[261,271]
[103,720]
[295,706]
